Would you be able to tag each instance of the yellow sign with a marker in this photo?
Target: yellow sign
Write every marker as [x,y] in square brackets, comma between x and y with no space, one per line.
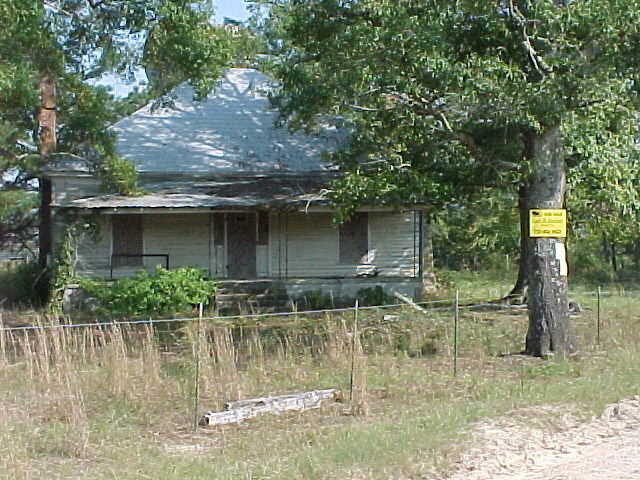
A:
[548,222]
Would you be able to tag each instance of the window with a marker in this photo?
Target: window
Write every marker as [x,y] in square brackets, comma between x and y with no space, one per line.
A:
[354,239]
[127,240]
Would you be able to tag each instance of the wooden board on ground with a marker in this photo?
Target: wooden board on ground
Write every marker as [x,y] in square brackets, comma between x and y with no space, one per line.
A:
[237,411]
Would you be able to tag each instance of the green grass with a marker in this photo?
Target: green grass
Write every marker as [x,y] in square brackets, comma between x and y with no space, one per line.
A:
[117,405]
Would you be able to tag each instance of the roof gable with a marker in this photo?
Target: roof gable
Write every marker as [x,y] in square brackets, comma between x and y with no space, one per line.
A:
[232,131]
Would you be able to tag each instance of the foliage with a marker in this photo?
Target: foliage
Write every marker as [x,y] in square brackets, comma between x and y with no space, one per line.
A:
[17,222]
[598,262]
[183,44]
[315,300]
[445,97]
[78,40]
[371,296]
[163,293]
[478,233]
[63,271]
[23,284]
[119,175]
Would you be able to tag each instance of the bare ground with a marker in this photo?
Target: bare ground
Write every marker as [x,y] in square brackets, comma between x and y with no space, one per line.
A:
[556,446]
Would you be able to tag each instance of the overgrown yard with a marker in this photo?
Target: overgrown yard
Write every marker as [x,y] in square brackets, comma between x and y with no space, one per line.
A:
[117,401]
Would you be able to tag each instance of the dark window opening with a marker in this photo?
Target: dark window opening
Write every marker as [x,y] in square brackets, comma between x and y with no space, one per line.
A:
[354,239]
[127,240]
[263,228]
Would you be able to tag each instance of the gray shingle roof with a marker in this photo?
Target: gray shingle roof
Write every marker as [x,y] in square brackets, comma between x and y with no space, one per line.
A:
[232,131]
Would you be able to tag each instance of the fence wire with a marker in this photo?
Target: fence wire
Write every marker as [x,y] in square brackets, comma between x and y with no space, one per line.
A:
[429,306]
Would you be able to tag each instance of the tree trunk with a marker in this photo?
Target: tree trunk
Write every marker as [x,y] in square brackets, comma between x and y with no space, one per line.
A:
[518,293]
[614,257]
[47,145]
[549,322]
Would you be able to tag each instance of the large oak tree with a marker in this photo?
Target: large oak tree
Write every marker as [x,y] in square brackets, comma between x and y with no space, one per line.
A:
[444,96]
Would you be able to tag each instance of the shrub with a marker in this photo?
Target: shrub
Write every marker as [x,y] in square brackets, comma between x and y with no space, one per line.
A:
[119,175]
[23,284]
[373,296]
[315,300]
[163,293]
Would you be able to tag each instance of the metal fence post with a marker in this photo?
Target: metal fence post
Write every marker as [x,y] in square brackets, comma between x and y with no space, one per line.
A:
[353,352]
[456,318]
[598,313]
[196,379]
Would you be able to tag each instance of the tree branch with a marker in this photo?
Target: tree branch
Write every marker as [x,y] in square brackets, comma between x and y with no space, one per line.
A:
[96,4]
[358,108]
[13,156]
[424,106]
[537,61]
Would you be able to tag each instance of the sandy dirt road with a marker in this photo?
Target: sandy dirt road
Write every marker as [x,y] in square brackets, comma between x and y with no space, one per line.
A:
[607,448]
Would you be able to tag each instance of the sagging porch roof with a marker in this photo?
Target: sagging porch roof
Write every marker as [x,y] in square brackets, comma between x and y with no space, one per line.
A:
[269,193]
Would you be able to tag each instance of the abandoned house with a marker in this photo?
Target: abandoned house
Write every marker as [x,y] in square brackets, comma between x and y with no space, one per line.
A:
[227,190]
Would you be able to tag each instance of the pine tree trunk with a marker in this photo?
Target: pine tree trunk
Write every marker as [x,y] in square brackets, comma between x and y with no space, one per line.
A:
[549,322]
[47,145]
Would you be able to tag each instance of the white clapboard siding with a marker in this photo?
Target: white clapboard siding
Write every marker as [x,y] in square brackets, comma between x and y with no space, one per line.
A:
[184,236]
[94,254]
[393,243]
[306,245]
[262,260]
[65,189]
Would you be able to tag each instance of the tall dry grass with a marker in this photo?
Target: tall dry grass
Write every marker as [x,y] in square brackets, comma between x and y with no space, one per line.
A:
[116,401]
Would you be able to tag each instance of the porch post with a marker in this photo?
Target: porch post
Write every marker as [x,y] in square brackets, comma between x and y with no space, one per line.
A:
[429,284]
[286,245]
[280,245]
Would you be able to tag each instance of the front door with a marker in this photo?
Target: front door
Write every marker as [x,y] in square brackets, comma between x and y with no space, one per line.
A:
[241,245]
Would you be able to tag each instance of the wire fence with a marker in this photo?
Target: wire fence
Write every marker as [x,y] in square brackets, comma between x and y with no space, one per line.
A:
[457,302]
[444,304]
[451,328]
[454,309]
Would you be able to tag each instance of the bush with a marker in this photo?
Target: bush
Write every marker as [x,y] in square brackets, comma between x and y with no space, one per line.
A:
[23,284]
[372,296]
[163,293]
[315,300]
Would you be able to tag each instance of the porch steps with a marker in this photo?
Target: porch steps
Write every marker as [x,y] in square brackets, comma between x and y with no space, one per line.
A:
[251,296]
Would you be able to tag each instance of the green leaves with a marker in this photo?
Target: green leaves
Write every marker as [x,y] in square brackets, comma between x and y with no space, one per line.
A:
[17,220]
[184,45]
[119,175]
[76,40]
[439,95]
[162,293]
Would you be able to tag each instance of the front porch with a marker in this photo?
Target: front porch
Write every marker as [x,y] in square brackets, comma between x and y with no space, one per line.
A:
[277,295]
[257,245]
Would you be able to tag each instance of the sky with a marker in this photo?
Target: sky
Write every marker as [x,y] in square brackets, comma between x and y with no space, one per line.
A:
[231,8]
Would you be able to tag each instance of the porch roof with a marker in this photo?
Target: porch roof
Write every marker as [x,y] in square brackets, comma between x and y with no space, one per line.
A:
[241,193]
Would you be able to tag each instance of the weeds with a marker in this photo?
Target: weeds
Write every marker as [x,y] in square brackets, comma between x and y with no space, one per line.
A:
[23,284]
[116,400]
